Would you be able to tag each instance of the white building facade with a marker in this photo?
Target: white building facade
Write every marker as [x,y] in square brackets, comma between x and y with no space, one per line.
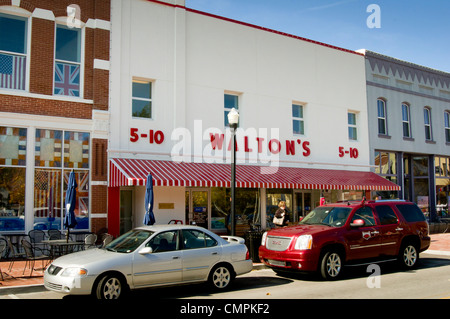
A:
[177,72]
[409,129]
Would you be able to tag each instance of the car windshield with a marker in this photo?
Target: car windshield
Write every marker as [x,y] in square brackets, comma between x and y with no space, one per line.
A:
[325,215]
[128,242]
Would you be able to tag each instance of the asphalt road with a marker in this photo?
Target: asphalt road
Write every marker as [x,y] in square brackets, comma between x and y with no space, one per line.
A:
[431,280]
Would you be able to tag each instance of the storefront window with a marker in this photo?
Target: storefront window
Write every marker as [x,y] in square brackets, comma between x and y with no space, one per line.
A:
[386,166]
[12,199]
[442,165]
[247,213]
[57,153]
[273,197]
[13,144]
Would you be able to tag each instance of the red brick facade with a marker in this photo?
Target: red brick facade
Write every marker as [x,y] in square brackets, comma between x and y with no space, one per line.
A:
[39,99]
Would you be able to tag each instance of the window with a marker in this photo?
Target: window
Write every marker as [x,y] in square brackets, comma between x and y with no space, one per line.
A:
[427,122]
[13,52]
[142,99]
[411,213]
[193,239]
[57,153]
[166,241]
[230,101]
[352,131]
[382,124]
[366,214]
[447,126]
[298,123]
[67,61]
[406,121]
[13,147]
[386,215]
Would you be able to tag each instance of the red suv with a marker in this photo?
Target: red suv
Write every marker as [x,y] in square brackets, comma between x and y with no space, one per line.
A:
[339,234]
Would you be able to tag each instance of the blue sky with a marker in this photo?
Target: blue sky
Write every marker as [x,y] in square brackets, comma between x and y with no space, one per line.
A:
[416,31]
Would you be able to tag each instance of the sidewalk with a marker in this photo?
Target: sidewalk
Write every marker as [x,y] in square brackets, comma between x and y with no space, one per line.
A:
[440,245]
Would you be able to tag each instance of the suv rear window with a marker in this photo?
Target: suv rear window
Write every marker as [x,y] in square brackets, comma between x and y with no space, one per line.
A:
[386,215]
[411,213]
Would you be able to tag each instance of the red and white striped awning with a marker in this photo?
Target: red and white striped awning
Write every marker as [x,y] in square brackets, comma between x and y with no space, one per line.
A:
[133,172]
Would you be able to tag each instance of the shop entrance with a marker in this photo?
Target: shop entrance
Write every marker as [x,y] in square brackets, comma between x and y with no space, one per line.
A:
[126,210]
[198,205]
[302,204]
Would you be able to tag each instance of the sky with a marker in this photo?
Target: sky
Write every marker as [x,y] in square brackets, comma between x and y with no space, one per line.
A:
[417,31]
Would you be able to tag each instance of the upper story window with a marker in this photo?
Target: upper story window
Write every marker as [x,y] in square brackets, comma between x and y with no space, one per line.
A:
[230,101]
[142,99]
[427,122]
[67,61]
[447,126]
[382,122]
[298,123]
[406,120]
[13,52]
[352,129]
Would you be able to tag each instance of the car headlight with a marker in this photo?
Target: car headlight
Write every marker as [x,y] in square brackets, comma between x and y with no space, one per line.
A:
[74,272]
[263,239]
[303,242]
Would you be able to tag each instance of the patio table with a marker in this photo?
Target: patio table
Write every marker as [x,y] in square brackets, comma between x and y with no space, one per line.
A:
[64,247]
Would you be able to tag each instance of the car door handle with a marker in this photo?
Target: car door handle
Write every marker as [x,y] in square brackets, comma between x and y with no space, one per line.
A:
[214,253]
[375,232]
[399,229]
[175,257]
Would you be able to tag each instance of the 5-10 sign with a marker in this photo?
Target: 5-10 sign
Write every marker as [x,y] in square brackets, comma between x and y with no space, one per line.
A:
[352,152]
[153,136]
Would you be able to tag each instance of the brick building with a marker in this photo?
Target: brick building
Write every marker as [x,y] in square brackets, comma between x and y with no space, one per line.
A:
[54,84]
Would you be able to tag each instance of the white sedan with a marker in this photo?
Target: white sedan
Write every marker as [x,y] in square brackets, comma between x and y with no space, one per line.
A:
[150,256]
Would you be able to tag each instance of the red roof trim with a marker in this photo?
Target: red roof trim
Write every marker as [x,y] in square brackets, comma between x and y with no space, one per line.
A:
[256,27]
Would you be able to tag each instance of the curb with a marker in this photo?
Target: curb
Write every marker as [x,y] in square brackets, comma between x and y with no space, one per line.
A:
[21,289]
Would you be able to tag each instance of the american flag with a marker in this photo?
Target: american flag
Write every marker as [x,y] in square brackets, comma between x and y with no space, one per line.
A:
[12,71]
[67,79]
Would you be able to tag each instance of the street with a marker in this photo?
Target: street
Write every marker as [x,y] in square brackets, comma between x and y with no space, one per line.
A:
[431,280]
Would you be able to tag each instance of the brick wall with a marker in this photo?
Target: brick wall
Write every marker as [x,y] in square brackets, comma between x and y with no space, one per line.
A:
[40,101]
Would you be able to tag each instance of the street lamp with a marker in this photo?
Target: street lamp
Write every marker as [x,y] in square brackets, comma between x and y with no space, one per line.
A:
[233,118]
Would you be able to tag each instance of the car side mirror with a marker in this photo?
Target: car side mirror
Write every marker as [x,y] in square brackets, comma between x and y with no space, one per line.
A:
[357,223]
[146,251]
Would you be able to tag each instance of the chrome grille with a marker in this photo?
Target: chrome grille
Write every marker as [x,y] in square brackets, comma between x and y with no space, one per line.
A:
[278,243]
[52,286]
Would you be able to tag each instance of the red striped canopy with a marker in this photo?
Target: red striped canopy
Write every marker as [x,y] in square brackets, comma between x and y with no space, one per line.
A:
[133,172]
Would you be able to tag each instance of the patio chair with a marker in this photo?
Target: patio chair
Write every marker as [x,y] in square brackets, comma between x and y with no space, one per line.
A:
[31,257]
[54,234]
[106,239]
[36,238]
[89,241]
[13,253]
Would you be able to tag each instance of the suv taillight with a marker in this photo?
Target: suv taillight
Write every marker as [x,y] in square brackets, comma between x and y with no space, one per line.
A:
[247,255]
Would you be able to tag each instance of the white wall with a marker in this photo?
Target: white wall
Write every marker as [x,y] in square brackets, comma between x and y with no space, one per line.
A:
[194,59]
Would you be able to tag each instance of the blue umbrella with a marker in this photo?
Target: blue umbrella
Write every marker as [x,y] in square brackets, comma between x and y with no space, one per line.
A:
[149,218]
[71,199]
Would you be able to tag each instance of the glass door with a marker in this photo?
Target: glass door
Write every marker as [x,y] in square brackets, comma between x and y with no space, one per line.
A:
[197,207]
[302,204]
[126,210]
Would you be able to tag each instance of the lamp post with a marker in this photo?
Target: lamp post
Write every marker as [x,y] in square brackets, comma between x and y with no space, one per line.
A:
[233,118]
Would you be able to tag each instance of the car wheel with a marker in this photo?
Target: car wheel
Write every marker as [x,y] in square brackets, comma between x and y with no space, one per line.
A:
[220,277]
[408,256]
[110,287]
[331,265]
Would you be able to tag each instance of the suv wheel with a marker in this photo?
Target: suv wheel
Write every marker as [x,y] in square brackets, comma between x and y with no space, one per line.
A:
[408,256]
[331,265]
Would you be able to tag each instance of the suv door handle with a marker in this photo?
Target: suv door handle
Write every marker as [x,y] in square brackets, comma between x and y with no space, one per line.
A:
[399,229]
[375,232]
